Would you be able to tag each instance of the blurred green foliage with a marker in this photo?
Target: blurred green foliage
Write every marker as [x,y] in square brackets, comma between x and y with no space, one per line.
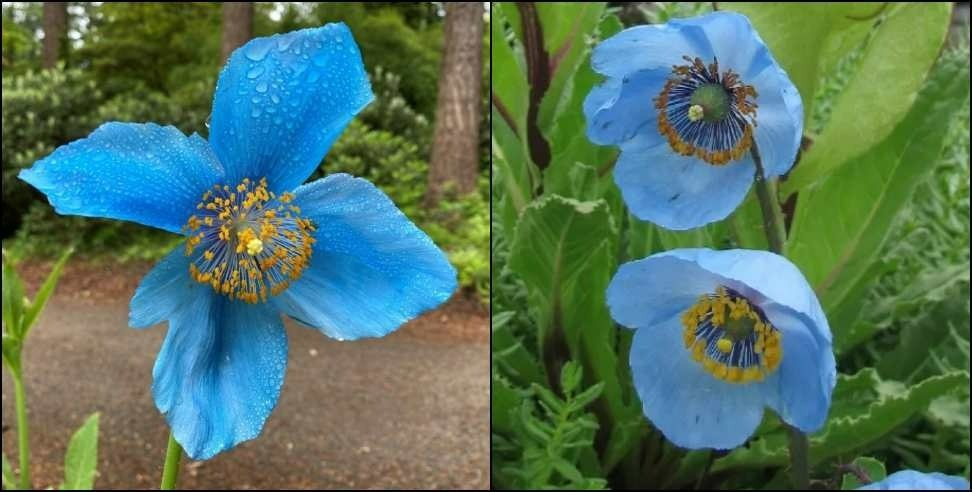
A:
[159,62]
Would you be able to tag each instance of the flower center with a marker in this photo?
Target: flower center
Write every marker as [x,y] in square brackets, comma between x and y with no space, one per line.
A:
[731,337]
[707,113]
[246,242]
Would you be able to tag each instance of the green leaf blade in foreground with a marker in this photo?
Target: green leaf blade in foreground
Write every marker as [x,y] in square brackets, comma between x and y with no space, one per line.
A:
[870,467]
[45,291]
[9,479]
[840,225]
[13,301]
[81,460]
[879,93]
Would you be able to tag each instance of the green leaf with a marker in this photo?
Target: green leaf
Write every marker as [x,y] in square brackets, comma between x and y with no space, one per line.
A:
[45,291]
[864,409]
[565,251]
[840,225]
[509,354]
[879,93]
[808,39]
[870,467]
[9,479]
[12,347]
[509,84]
[81,460]
[504,401]
[13,301]
[513,173]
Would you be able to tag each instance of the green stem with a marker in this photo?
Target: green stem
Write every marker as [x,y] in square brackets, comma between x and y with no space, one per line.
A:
[770,205]
[799,456]
[775,230]
[22,433]
[173,454]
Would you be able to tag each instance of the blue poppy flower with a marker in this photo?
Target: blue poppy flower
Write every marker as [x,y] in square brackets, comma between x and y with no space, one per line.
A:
[334,254]
[718,336]
[687,102]
[912,480]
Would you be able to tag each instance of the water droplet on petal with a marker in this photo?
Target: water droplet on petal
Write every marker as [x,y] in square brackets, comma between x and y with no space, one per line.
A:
[261,87]
[255,72]
[256,112]
[284,42]
[274,98]
[257,50]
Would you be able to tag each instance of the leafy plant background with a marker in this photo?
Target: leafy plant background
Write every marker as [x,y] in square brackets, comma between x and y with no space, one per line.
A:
[878,220]
[120,67]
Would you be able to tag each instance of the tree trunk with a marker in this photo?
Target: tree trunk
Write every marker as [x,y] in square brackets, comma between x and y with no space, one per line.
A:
[454,163]
[55,31]
[237,26]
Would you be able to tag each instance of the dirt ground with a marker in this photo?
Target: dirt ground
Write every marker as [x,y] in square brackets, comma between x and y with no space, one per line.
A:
[410,410]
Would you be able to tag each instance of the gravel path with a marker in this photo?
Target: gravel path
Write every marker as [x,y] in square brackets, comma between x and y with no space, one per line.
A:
[407,411]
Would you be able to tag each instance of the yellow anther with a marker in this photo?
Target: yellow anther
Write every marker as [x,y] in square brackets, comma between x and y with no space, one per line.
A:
[695,113]
[254,246]
[724,345]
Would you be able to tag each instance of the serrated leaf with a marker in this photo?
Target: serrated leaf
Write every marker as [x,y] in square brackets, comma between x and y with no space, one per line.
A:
[840,225]
[860,415]
[872,469]
[81,460]
[45,291]
[877,96]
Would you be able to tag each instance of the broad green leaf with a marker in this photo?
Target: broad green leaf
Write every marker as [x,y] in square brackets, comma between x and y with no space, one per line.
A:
[879,93]
[872,469]
[840,225]
[714,235]
[40,299]
[512,173]
[808,39]
[9,479]
[13,301]
[566,27]
[509,83]
[81,460]
[565,251]
[864,410]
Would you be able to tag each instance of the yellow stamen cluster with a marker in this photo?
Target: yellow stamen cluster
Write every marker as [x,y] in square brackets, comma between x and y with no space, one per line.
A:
[255,244]
[736,324]
[741,94]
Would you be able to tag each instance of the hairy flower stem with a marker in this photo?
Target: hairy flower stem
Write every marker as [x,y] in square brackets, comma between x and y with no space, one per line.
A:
[776,236]
[22,433]
[770,205]
[173,454]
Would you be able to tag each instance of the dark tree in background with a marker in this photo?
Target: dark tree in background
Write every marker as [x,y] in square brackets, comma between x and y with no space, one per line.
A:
[237,25]
[455,146]
[55,31]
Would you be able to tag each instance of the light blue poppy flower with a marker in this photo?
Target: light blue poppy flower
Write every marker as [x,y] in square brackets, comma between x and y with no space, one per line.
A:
[718,336]
[686,102]
[334,254]
[912,480]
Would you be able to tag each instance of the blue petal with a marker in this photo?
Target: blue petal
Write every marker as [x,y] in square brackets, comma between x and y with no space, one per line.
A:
[779,117]
[282,101]
[734,42]
[675,191]
[164,290]
[372,269]
[690,406]
[801,389]
[621,107]
[649,47]
[651,290]
[764,277]
[144,173]
[913,480]
[219,372]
